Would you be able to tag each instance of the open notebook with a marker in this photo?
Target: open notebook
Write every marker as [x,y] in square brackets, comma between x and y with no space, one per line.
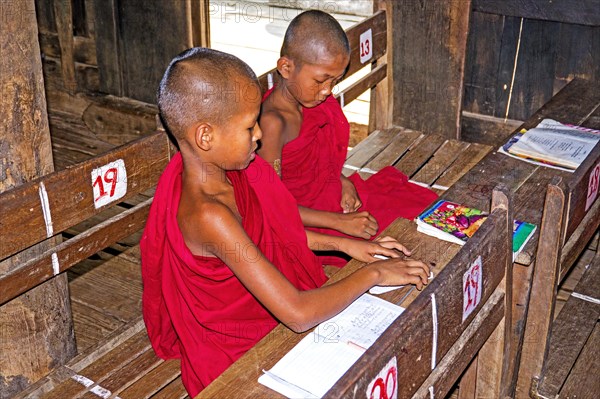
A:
[314,365]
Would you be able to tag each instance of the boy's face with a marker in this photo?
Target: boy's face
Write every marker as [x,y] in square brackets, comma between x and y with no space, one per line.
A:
[311,84]
[237,137]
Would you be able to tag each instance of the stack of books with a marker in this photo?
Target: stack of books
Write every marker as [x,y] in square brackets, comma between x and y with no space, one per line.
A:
[553,144]
[456,223]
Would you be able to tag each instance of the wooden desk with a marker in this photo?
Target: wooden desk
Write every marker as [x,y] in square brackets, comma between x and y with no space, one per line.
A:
[578,103]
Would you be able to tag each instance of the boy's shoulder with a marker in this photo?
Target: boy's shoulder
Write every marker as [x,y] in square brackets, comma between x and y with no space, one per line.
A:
[204,219]
[279,125]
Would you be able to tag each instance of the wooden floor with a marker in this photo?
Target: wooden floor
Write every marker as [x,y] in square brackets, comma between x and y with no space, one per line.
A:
[106,288]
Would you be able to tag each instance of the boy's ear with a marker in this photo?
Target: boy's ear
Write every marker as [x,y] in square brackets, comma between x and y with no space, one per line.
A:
[203,136]
[285,66]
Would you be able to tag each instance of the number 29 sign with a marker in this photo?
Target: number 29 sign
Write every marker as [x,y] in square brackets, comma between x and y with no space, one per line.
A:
[109,183]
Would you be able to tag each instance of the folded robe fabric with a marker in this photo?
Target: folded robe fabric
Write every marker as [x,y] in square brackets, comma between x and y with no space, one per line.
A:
[194,307]
[311,166]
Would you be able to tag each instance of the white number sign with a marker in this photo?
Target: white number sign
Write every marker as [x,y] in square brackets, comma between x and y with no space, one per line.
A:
[109,183]
[472,287]
[593,187]
[366,46]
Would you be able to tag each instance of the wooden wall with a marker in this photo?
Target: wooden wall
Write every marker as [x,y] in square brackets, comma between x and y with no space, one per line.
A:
[550,55]
[118,47]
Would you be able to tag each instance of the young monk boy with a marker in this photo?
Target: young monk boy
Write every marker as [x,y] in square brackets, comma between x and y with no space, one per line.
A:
[224,253]
[305,137]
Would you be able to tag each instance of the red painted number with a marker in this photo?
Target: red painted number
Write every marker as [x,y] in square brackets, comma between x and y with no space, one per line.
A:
[365,48]
[110,177]
[594,182]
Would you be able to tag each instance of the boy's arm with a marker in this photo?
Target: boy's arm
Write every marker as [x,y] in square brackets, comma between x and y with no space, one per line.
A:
[361,250]
[272,141]
[299,310]
[356,224]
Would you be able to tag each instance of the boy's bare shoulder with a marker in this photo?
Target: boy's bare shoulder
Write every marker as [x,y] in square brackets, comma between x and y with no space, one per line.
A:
[272,122]
[206,221]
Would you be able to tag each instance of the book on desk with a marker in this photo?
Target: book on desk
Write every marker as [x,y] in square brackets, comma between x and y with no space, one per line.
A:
[456,223]
[321,358]
[552,144]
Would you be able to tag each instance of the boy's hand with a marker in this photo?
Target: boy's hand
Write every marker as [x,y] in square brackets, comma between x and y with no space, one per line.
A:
[350,201]
[365,251]
[358,224]
[402,272]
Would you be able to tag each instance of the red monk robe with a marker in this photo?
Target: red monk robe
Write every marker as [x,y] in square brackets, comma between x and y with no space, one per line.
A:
[194,307]
[311,166]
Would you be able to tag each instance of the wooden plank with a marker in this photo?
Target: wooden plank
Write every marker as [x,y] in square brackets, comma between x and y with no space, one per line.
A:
[409,337]
[104,366]
[70,193]
[534,76]
[429,56]
[484,46]
[587,12]
[154,381]
[128,374]
[64,27]
[449,369]
[581,382]
[440,161]
[570,331]
[174,390]
[578,54]
[496,369]
[370,147]
[102,324]
[140,27]
[485,129]
[41,268]
[463,163]
[84,48]
[364,84]
[579,239]
[115,287]
[578,190]
[468,381]
[377,23]
[544,288]
[419,154]
[394,150]
[107,47]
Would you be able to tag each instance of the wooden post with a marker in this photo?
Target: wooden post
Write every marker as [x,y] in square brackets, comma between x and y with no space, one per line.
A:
[381,105]
[36,329]
[428,55]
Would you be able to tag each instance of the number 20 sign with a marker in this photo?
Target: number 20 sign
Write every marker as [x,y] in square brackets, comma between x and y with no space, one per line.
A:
[109,183]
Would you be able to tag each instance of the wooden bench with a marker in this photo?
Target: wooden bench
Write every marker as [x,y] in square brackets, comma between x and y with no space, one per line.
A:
[412,339]
[570,224]
[124,363]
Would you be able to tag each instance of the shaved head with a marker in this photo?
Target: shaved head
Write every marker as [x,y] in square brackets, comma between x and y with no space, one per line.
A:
[203,85]
[313,36]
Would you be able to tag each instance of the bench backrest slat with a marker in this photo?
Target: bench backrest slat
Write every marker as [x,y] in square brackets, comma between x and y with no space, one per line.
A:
[410,337]
[70,195]
[58,259]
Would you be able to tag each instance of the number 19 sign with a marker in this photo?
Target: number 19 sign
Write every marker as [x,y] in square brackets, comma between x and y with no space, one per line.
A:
[109,183]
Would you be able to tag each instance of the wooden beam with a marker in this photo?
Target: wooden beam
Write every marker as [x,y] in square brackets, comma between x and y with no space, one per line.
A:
[429,52]
[583,12]
[36,329]
[364,84]
[64,26]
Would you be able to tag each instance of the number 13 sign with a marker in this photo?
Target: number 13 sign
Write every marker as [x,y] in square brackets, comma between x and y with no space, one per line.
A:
[109,183]
[366,46]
